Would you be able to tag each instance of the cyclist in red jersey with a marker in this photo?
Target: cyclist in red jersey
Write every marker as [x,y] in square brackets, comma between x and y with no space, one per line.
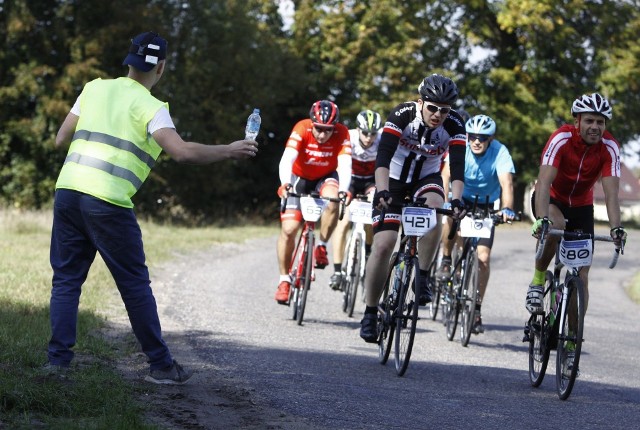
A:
[317,157]
[574,158]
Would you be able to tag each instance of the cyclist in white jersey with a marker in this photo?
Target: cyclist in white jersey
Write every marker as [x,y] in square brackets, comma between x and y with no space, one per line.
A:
[415,137]
[364,147]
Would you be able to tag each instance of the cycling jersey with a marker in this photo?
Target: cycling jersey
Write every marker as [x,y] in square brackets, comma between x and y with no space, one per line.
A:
[481,172]
[363,161]
[412,151]
[579,165]
[315,161]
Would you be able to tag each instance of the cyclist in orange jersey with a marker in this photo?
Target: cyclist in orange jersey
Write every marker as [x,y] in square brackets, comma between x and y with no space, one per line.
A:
[317,157]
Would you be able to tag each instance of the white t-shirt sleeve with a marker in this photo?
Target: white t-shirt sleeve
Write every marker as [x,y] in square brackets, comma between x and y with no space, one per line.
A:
[162,118]
[76,107]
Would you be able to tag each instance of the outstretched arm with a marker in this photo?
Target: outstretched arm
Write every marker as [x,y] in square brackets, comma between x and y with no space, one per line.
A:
[197,153]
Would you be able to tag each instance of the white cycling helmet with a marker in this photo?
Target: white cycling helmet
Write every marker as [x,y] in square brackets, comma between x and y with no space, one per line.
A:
[481,124]
[591,103]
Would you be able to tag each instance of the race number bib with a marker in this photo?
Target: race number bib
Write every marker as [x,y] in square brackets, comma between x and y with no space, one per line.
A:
[576,253]
[418,221]
[360,212]
[312,208]
[470,227]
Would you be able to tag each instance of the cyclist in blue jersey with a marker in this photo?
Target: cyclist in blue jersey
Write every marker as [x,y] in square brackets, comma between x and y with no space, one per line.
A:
[489,172]
[414,139]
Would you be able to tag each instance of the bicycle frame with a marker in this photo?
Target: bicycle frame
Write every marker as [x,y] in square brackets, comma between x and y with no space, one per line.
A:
[301,268]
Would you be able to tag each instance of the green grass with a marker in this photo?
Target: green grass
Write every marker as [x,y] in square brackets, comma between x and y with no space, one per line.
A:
[95,396]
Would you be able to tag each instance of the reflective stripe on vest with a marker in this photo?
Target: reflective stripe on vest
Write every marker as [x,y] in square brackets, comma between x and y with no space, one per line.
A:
[116,143]
[105,166]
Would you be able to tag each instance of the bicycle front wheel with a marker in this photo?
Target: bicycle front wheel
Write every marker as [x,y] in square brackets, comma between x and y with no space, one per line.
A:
[435,288]
[407,314]
[305,283]
[386,309]
[469,296]
[353,274]
[539,332]
[454,289]
[570,338]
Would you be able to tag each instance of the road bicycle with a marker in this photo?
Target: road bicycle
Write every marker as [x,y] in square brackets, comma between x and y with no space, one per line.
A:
[561,325]
[353,263]
[460,290]
[302,261]
[398,312]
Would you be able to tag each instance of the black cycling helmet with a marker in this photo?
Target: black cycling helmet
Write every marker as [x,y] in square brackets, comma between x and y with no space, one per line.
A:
[591,103]
[438,89]
[324,112]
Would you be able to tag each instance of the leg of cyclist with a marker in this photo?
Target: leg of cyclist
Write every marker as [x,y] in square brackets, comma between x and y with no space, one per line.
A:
[377,269]
[444,271]
[290,225]
[338,243]
[484,270]
[431,189]
[328,187]
[385,235]
[536,287]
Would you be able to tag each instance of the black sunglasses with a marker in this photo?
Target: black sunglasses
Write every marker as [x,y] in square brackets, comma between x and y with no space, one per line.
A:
[320,129]
[481,137]
[433,108]
[368,133]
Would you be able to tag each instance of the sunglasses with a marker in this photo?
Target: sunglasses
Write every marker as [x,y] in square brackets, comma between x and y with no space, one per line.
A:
[368,133]
[481,137]
[433,108]
[323,129]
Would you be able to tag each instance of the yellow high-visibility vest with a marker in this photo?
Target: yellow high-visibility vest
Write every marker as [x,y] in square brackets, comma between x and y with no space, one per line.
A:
[111,153]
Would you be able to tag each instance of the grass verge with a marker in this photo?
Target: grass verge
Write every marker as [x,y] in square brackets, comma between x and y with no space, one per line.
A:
[94,395]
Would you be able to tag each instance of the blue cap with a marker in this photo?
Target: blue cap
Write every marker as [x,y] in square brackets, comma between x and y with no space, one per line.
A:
[146,50]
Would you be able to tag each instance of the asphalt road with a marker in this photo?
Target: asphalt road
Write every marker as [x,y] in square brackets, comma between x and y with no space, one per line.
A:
[322,375]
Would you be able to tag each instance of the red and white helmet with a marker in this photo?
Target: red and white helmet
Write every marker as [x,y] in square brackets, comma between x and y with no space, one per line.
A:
[591,103]
[324,112]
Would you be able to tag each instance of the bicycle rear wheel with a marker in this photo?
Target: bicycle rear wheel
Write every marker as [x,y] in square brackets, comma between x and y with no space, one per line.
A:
[353,274]
[539,331]
[407,314]
[570,339]
[306,280]
[469,296]
[386,309]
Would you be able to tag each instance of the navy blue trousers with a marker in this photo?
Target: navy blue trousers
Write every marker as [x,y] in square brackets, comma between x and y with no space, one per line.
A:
[82,225]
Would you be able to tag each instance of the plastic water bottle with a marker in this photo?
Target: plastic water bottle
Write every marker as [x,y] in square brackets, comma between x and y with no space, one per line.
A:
[253,125]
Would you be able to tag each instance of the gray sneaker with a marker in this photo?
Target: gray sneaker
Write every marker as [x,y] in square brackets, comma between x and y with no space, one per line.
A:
[54,370]
[336,281]
[174,375]
[535,297]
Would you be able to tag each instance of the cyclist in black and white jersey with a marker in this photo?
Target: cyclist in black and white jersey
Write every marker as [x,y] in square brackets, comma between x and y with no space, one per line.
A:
[414,139]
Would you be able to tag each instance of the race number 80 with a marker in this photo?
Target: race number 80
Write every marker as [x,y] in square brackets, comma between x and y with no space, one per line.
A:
[576,253]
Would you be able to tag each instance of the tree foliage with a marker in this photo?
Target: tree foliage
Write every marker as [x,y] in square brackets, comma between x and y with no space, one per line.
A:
[520,61]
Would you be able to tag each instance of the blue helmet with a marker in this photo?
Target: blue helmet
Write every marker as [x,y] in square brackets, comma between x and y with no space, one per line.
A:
[481,124]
